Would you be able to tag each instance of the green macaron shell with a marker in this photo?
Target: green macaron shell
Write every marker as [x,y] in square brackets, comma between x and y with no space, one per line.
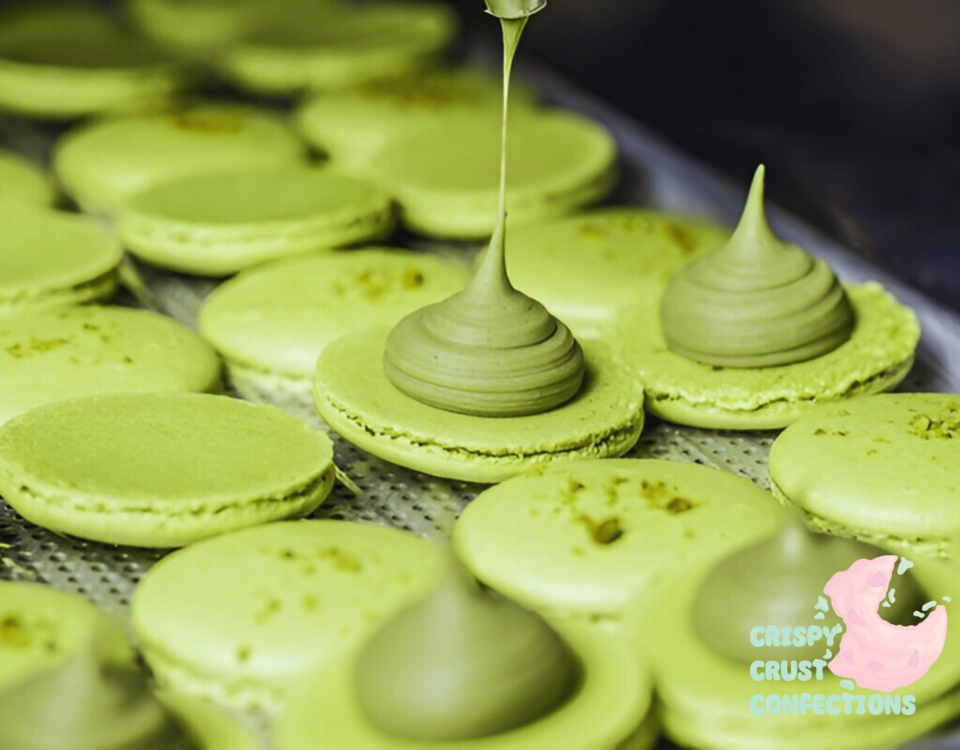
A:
[351,125]
[218,224]
[876,358]
[704,698]
[882,469]
[161,470]
[48,259]
[275,320]
[61,62]
[587,268]
[105,162]
[309,592]
[355,397]
[606,713]
[82,351]
[22,183]
[41,629]
[602,539]
[210,727]
[330,46]
[446,179]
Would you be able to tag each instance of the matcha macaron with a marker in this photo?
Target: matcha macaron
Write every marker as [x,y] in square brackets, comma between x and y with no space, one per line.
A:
[49,259]
[23,183]
[446,178]
[352,124]
[62,61]
[161,470]
[218,224]
[357,399]
[608,539]
[102,163]
[274,604]
[590,267]
[80,351]
[271,323]
[329,46]
[66,671]
[882,469]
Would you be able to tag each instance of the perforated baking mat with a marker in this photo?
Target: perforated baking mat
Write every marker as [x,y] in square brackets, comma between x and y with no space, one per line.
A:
[653,175]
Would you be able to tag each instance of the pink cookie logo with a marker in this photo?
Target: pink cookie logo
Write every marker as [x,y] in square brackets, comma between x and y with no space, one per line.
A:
[874,653]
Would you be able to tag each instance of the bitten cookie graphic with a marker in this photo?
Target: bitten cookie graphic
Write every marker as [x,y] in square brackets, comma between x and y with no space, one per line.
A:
[878,655]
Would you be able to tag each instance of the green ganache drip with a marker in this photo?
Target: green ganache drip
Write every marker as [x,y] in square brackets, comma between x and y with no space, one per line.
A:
[461,665]
[89,704]
[756,301]
[489,350]
[777,582]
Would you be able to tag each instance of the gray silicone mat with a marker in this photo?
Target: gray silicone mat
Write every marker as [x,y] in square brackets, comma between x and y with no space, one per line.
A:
[653,175]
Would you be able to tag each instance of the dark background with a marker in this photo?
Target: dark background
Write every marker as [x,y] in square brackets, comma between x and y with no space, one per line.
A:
[853,105]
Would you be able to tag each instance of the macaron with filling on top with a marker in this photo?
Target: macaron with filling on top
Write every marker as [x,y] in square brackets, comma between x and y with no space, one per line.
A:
[24,183]
[446,178]
[275,604]
[881,469]
[81,351]
[357,399]
[161,470]
[49,259]
[218,224]
[102,163]
[322,47]
[350,125]
[271,323]
[63,61]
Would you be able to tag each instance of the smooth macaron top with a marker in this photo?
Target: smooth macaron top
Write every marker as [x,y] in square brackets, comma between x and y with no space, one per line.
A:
[350,125]
[45,256]
[447,178]
[216,224]
[103,163]
[882,466]
[279,317]
[587,268]
[324,46]
[243,616]
[600,537]
[42,628]
[79,351]
[160,450]
[21,182]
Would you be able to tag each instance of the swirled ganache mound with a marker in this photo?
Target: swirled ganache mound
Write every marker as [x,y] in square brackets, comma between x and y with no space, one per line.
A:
[756,301]
[461,665]
[777,582]
[489,350]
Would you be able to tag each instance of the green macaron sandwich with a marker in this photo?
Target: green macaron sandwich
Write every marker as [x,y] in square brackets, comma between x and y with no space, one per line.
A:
[325,46]
[23,183]
[271,323]
[483,384]
[274,604]
[464,669]
[50,259]
[103,163]
[54,355]
[352,124]
[161,470]
[61,61]
[220,223]
[757,332]
[445,176]
[881,469]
